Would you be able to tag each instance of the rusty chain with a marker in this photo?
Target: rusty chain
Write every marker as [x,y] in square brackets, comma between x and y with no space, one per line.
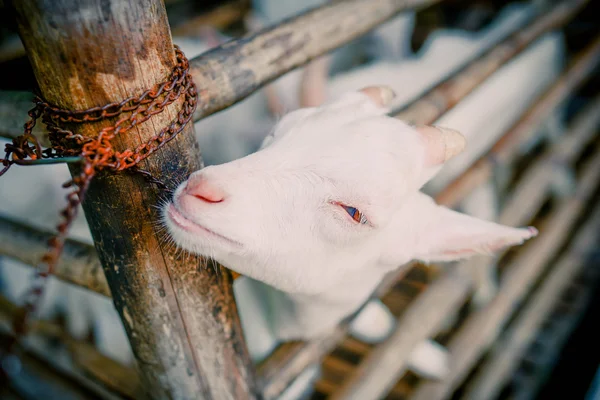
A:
[94,155]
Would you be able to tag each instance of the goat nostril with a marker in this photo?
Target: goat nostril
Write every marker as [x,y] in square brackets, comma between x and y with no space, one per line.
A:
[205,192]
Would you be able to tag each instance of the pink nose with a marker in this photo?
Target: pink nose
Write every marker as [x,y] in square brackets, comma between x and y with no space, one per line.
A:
[202,189]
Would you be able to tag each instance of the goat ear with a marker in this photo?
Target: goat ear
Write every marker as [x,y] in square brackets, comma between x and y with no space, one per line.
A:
[449,235]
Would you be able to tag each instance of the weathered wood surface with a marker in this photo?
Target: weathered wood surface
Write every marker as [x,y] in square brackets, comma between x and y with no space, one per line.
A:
[579,71]
[180,316]
[482,327]
[236,69]
[506,353]
[233,71]
[79,263]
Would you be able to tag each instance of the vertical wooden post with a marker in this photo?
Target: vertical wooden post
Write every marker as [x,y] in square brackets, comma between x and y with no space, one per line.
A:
[179,314]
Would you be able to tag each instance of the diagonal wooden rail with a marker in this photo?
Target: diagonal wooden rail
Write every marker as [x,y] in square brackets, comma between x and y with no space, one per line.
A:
[481,328]
[503,360]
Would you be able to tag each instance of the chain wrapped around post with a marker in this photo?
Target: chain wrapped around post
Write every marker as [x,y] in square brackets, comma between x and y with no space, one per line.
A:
[94,155]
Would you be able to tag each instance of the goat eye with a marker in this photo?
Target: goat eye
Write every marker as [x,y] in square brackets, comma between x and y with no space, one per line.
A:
[355,214]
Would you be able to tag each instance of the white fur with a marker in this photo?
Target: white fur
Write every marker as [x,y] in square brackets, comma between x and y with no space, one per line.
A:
[275,218]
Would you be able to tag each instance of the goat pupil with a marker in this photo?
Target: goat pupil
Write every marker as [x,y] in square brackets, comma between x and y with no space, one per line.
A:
[354,213]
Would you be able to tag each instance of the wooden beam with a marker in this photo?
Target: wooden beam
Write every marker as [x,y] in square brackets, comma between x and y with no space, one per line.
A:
[482,327]
[440,99]
[579,70]
[79,263]
[82,360]
[236,69]
[180,316]
[505,355]
[382,367]
[530,193]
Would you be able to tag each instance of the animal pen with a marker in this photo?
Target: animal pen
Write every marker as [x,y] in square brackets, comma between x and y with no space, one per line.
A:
[180,313]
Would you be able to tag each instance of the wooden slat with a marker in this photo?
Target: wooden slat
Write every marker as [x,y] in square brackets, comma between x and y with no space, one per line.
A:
[233,71]
[236,69]
[106,372]
[482,327]
[433,104]
[78,264]
[387,362]
[505,355]
[580,69]
[530,193]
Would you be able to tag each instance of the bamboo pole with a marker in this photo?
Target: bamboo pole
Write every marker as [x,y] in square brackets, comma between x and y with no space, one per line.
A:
[557,336]
[79,263]
[433,104]
[532,189]
[482,327]
[180,317]
[505,355]
[382,367]
[235,70]
[579,70]
[108,373]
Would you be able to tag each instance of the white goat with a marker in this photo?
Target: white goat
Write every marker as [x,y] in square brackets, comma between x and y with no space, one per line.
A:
[482,116]
[324,210]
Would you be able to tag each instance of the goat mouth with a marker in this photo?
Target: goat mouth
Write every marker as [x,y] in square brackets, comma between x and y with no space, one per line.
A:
[182,222]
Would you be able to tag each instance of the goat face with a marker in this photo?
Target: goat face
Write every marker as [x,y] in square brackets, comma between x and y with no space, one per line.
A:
[334,192]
